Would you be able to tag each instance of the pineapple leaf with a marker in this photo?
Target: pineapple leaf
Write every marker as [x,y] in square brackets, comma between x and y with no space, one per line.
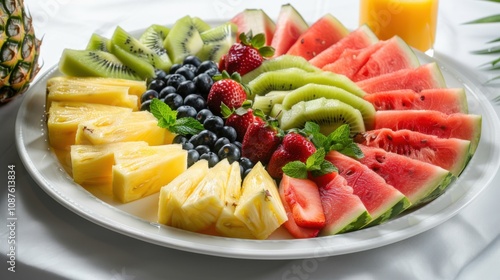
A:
[488,19]
[495,49]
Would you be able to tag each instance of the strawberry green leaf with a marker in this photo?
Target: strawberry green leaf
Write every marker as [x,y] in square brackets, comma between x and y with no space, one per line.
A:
[258,41]
[295,169]
[266,51]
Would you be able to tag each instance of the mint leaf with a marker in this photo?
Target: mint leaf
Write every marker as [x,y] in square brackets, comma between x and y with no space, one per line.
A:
[311,128]
[326,168]
[352,150]
[295,169]
[314,161]
[340,134]
[167,118]
[186,126]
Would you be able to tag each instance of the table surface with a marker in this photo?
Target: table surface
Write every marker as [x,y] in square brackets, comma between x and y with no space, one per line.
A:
[55,243]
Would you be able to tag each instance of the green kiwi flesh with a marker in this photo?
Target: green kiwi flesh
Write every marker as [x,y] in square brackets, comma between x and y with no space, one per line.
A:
[200,24]
[182,40]
[277,111]
[81,63]
[153,38]
[279,63]
[293,78]
[266,102]
[314,91]
[98,43]
[329,114]
[217,41]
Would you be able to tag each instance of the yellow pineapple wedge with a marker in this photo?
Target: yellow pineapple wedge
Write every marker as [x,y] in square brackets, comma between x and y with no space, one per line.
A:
[228,224]
[205,203]
[174,194]
[77,91]
[143,171]
[64,117]
[134,126]
[92,164]
[260,206]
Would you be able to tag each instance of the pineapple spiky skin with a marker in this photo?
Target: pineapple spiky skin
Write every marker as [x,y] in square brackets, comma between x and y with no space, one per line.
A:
[19,50]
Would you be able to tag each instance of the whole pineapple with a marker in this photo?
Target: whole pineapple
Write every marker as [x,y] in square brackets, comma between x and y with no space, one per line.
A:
[19,50]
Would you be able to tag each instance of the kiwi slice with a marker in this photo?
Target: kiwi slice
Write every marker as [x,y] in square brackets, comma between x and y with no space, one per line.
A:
[217,41]
[200,24]
[153,38]
[183,39]
[266,102]
[314,91]
[87,63]
[134,53]
[279,63]
[98,43]
[293,78]
[329,114]
[277,111]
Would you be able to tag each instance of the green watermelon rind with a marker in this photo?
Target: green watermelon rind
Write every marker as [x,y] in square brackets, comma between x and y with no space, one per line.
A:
[401,204]
[358,223]
[358,217]
[437,191]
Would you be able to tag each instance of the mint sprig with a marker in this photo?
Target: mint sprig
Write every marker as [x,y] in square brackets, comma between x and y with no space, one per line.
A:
[167,118]
[339,140]
[315,164]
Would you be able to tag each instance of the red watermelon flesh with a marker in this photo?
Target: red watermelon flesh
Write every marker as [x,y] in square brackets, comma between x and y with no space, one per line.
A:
[323,33]
[393,56]
[351,60]
[289,26]
[344,211]
[358,39]
[458,125]
[257,21]
[417,180]
[381,200]
[426,76]
[451,154]
[446,100]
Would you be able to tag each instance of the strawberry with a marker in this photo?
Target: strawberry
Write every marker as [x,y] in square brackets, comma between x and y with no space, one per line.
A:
[226,90]
[261,140]
[293,147]
[247,54]
[240,119]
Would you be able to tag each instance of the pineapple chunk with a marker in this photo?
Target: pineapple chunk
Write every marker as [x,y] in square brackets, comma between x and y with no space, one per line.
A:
[173,195]
[205,203]
[143,171]
[134,87]
[228,224]
[260,206]
[134,126]
[77,91]
[92,164]
[64,117]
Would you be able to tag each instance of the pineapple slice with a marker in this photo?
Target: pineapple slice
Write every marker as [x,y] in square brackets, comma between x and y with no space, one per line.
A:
[134,126]
[64,117]
[173,195]
[92,93]
[143,171]
[92,164]
[260,206]
[205,203]
[134,87]
[228,224]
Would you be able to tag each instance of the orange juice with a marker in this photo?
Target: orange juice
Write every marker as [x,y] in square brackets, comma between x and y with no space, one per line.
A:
[413,20]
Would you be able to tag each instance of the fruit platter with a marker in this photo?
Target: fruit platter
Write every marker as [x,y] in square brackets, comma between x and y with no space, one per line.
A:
[259,137]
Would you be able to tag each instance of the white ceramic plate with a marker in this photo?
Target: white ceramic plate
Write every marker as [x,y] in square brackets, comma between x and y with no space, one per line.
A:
[137,219]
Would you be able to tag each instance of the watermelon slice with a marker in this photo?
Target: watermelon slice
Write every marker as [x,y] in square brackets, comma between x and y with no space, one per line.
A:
[323,33]
[358,39]
[395,55]
[382,200]
[446,100]
[344,211]
[417,180]
[451,154]
[458,125]
[257,21]
[426,76]
[289,26]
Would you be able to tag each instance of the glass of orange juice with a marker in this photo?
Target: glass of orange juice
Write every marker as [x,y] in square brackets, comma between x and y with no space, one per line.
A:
[413,20]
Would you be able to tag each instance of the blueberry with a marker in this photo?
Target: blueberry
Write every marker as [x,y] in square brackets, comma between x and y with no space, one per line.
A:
[160,74]
[165,91]
[192,157]
[202,149]
[174,68]
[211,157]
[246,163]
[186,111]
[213,123]
[179,139]
[238,144]
[207,138]
[246,173]
[219,143]
[174,101]
[187,146]
[196,101]
[195,140]
[193,60]
[207,65]
[203,114]
[186,71]
[157,84]
[175,80]
[229,151]
[148,95]
[203,83]
[229,132]
[186,88]
[145,105]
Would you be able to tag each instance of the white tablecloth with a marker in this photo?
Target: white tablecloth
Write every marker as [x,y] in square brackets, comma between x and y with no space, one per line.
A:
[54,243]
